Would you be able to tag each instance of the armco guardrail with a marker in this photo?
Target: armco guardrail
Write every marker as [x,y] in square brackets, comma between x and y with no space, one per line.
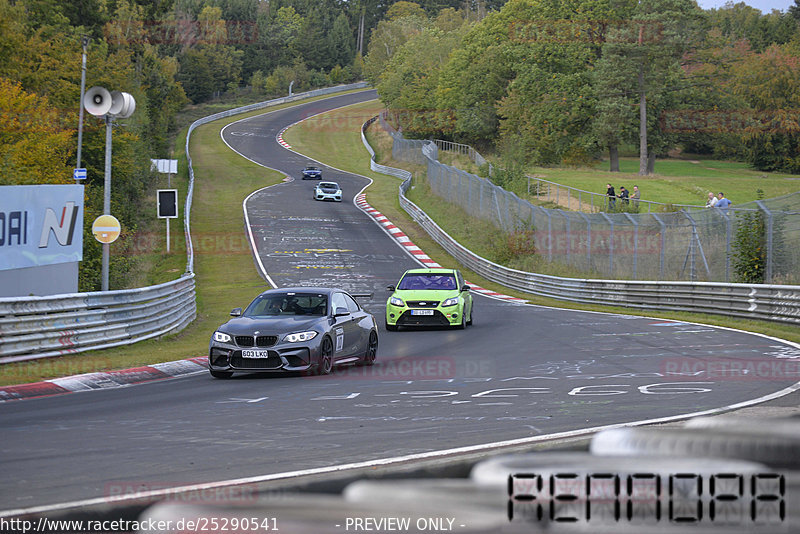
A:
[57,325]
[40,327]
[753,301]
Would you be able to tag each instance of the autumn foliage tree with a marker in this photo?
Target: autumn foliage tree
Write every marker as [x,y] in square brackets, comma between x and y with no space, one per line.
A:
[35,144]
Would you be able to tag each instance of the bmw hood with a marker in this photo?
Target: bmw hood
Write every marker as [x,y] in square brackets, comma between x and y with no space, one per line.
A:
[270,325]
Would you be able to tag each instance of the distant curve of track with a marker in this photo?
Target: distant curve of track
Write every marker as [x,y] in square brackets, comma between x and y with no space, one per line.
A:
[519,372]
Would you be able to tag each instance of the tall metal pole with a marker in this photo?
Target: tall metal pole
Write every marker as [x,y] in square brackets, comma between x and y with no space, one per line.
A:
[107,200]
[85,43]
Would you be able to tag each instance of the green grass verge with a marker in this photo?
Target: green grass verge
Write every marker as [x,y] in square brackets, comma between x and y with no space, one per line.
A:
[226,276]
[342,148]
[677,181]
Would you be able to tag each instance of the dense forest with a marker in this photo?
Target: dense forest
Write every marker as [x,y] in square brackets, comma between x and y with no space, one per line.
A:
[539,81]
[567,82]
[168,54]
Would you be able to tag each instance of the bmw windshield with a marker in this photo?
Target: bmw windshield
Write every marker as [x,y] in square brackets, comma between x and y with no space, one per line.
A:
[284,304]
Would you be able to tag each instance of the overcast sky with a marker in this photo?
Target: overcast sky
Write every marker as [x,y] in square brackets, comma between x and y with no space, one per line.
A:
[764,5]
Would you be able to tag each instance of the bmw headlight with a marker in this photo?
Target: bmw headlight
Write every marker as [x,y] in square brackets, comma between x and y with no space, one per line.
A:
[297,337]
[221,337]
[394,301]
[450,302]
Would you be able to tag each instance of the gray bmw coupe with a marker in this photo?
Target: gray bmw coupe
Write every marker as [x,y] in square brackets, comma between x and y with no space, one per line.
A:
[305,329]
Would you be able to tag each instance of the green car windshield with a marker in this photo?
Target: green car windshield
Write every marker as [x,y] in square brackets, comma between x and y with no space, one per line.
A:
[288,304]
[431,281]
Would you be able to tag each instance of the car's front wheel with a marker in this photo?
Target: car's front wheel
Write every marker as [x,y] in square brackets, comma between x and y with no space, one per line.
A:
[325,357]
[471,313]
[221,374]
[372,350]
[463,324]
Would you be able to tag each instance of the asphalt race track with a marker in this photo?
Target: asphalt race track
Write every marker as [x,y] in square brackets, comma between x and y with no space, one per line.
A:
[519,372]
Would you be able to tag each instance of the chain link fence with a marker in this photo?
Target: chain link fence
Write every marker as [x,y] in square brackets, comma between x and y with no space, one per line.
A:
[757,241]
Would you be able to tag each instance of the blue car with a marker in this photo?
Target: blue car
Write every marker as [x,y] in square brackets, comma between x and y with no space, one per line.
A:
[312,173]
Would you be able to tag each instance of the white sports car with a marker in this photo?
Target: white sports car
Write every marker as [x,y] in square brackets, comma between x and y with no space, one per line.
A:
[328,191]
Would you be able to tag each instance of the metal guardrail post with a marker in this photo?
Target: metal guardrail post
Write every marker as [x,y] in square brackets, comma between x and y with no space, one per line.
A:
[663,240]
[469,192]
[497,207]
[768,266]
[508,212]
[695,241]
[610,245]
[588,239]
[480,197]
[635,241]
[569,236]
[549,236]
[727,219]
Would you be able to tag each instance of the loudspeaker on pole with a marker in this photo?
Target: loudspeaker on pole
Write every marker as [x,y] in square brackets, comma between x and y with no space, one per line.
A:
[122,105]
[97,101]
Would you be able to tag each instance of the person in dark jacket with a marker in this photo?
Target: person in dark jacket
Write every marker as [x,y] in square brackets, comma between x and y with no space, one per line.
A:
[623,195]
[612,197]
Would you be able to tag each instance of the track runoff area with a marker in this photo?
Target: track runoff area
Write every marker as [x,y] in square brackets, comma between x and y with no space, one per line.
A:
[520,375]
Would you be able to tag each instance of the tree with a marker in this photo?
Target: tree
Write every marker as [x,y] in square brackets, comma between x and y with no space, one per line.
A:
[654,43]
[35,144]
[403,9]
[209,66]
[615,115]
[770,83]
[739,21]
[340,41]
[409,83]
[794,11]
[386,40]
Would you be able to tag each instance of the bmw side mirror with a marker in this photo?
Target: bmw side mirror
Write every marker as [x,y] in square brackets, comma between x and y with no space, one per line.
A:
[389,288]
[341,312]
[236,312]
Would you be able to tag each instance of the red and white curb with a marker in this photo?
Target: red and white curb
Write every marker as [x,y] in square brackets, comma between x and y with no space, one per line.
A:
[279,138]
[416,252]
[104,380]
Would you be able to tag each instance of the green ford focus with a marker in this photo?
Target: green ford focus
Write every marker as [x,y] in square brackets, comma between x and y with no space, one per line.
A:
[429,297]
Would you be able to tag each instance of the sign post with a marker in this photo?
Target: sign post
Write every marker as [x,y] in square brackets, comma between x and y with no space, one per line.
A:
[111,105]
[167,207]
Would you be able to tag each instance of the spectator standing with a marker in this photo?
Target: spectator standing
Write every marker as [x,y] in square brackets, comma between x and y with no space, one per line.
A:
[623,195]
[722,202]
[712,200]
[612,197]
[635,196]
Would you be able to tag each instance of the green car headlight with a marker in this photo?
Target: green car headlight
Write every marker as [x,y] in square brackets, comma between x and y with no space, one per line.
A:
[450,302]
[394,301]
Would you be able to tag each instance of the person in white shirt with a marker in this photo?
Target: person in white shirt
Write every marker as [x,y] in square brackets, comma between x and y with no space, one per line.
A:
[712,201]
